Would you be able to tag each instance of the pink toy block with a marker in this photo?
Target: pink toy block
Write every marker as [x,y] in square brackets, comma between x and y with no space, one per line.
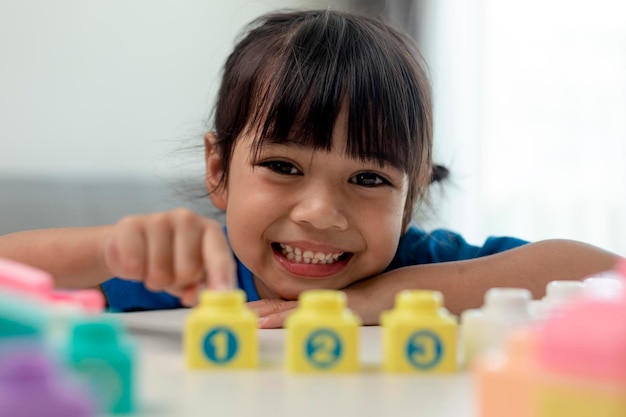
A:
[24,279]
[569,364]
[582,354]
[89,300]
[504,379]
[587,341]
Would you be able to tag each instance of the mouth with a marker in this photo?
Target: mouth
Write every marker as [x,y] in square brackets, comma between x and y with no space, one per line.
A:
[308,263]
[305,256]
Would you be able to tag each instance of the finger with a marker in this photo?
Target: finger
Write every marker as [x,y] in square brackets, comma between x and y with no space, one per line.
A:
[125,250]
[159,273]
[269,306]
[188,266]
[189,296]
[275,320]
[272,312]
[219,263]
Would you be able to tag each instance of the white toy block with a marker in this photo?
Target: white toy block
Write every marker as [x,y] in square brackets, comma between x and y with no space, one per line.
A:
[559,293]
[487,327]
[607,285]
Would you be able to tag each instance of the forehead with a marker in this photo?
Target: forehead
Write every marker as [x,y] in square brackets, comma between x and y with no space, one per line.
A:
[301,82]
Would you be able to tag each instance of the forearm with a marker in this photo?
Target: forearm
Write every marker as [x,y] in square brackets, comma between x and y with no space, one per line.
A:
[72,255]
[464,283]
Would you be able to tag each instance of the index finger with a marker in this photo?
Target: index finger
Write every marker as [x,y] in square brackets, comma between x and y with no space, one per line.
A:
[219,262]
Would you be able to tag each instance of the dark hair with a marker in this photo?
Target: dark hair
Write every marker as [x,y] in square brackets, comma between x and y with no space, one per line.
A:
[292,72]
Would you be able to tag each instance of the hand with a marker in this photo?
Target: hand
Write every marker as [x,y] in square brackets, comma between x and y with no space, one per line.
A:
[366,298]
[177,251]
[363,300]
[272,311]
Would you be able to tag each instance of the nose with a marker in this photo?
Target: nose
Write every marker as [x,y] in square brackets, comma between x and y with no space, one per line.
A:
[321,206]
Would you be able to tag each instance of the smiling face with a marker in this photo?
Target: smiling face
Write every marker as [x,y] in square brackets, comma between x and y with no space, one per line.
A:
[300,218]
[322,146]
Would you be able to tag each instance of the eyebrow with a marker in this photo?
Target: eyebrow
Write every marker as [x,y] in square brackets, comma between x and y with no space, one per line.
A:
[261,142]
[382,163]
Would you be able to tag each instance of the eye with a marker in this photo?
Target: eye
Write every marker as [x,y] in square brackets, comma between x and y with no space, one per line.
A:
[281,167]
[369,179]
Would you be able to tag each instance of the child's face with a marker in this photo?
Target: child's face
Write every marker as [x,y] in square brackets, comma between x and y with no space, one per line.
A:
[294,204]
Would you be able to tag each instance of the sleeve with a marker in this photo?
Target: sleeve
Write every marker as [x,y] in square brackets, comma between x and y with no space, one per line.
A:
[124,295]
[418,247]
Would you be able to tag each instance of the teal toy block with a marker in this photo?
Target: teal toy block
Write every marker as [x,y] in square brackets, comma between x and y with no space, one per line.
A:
[100,350]
[21,318]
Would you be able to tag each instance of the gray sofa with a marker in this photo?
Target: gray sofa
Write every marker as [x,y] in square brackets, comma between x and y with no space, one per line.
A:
[29,203]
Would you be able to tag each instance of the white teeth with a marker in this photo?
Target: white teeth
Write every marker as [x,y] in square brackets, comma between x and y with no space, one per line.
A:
[307,256]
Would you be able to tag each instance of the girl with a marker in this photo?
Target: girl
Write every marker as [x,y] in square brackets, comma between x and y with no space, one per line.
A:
[320,149]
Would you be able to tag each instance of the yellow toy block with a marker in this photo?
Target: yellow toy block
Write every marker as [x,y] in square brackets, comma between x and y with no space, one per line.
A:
[322,334]
[419,335]
[221,332]
[580,399]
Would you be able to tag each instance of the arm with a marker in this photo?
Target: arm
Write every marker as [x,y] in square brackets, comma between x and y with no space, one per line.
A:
[72,255]
[464,283]
[173,251]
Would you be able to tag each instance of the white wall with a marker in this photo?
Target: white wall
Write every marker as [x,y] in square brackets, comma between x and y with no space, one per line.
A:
[102,89]
[530,110]
[111,88]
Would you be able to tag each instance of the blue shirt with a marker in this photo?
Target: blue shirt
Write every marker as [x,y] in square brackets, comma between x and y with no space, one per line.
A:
[416,247]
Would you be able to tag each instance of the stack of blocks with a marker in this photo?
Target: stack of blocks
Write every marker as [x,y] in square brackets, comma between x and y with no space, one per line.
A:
[564,355]
[322,334]
[59,348]
[571,363]
[561,355]
[567,358]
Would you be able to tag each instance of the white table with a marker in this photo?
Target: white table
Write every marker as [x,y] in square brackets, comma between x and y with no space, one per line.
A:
[165,387]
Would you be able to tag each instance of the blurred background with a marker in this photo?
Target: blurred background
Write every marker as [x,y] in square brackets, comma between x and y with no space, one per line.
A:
[103,105]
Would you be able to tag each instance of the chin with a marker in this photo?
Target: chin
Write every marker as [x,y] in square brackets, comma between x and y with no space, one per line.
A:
[291,294]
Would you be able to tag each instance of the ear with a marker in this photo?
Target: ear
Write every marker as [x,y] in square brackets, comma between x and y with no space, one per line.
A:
[218,193]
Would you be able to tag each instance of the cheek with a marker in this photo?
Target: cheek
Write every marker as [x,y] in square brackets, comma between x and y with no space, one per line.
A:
[244,237]
[386,240]
[248,216]
[243,222]
[382,230]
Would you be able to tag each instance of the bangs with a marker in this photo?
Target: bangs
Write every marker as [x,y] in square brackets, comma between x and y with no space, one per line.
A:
[323,69]
[292,74]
